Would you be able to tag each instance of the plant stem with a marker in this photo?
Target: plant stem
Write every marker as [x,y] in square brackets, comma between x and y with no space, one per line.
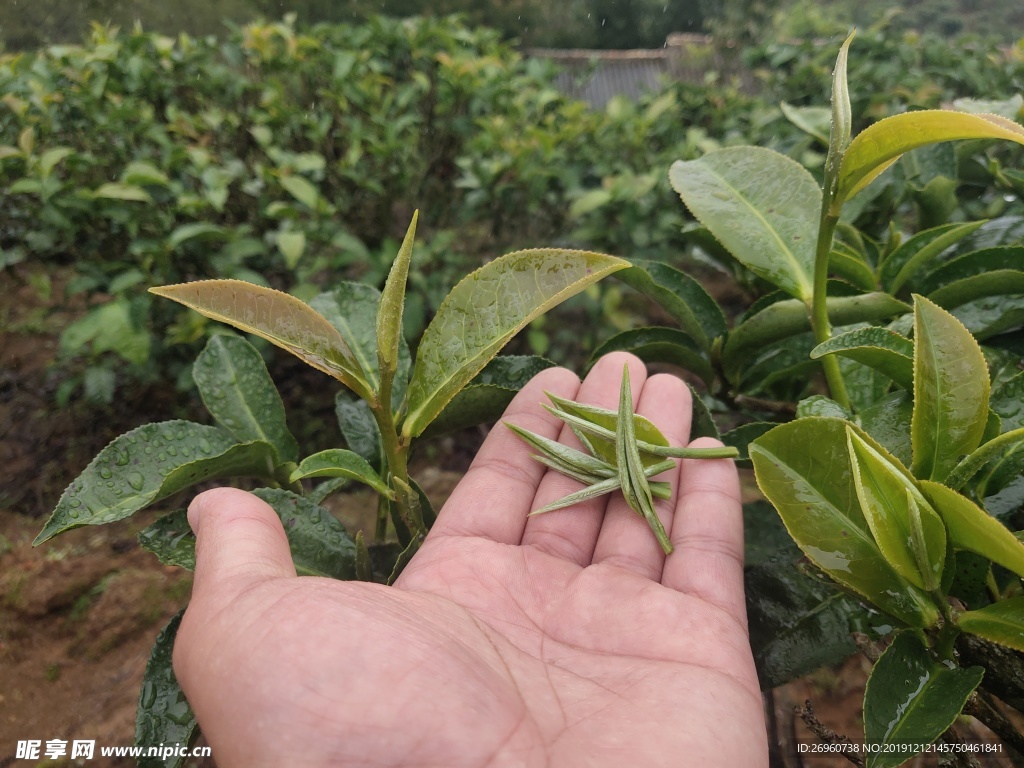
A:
[819,308]
[396,455]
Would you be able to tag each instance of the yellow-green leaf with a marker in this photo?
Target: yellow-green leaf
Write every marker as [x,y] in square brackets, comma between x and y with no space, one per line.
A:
[392,302]
[277,317]
[1001,622]
[951,390]
[484,311]
[882,144]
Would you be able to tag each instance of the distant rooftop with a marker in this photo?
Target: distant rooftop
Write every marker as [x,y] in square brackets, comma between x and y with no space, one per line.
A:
[597,76]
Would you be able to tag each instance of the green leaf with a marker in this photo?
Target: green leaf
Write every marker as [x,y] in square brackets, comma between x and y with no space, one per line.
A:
[52,157]
[880,145]
[336,462]
[849,264]
[277,317]
[741,437]
[680,295]
[950,391]
[603,442]
[164,715]
[151,463]
[580,466]
[819,405]
[887,501]
[125,192]
[483,312]
[659,345]
[199,230]
[389,314]
[1002,449]
[788,318]
[1007,401]
[815,494]
[842,120]
[237,390]
[879,348]
[888,423]
[319,543]
[170,538]
[814,121]
[915,254]
[986,304]
[970,527]
[291,245]
[1001,622]
[762,206]
[303,190]
[358,427]
[487,396]
[910,700]
[973,264]
[144,174]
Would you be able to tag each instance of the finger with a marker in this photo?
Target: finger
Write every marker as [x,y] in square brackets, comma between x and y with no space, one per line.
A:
[571,533]
[626,539]
[493,499]
[239,542]
[708,534]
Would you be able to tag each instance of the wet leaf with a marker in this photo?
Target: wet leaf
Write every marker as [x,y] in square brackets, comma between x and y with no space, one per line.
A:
[970,527]
[878,348]
[659,345]
[951,390]
[320,545]
[888,423]
[849,264]
[337,462]
[741,437]
[483,312]
[815,494]
[819,405]
[392,302]
[277,317]
[911,700]
[164,715]
[877,147]
[761,205]
[170,538]
[237,390]
[681,296]
[1001,622]
[1007,401]
[883,491]
[915,254]
[359,428]
[151,463]
[971,265]
[986,304]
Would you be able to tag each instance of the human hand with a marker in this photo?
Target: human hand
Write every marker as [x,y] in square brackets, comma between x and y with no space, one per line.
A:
[566,639]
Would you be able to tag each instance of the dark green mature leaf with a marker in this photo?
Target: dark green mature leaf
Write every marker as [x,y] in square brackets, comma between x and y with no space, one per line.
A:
[337,462]
[702,423]
[890,509]
[815,494]
[914,255]
[1001,622]
[483,312]
[681,296]
[389,315]
[1007,400]
[238,392]
[797,623]
[986,304]
[277,317]
[659,345]
[358,427]
[972,264]
[319,544]
[741,437]
[997,454]
[170,538]
[950,391]
[849,264]
[970,527]
[878,348]
[910,700]
[151,463]
[788,318]
[487,396]
[762,206]
[164,715]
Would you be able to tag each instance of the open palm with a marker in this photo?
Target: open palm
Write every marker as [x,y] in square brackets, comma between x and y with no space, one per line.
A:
[563,639]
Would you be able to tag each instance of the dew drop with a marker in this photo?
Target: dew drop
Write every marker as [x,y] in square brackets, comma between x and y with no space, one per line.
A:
[172,451]
[105,473]
[74,503]
[204,445]
[136,480]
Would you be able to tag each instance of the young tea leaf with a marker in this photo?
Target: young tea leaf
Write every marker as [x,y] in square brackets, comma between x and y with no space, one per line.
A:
[170,538]
[910,700]
[879,348]
[277,317]
[238,392]
[389,314]
[483,312]
[336,462]
[951,389]
[1001,622]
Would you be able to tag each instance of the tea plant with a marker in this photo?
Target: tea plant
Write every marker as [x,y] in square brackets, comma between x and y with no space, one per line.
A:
[893,485]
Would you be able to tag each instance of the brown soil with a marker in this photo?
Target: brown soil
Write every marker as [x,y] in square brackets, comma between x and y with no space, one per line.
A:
[79,615]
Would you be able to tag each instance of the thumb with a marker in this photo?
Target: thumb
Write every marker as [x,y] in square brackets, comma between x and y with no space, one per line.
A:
[239,542]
